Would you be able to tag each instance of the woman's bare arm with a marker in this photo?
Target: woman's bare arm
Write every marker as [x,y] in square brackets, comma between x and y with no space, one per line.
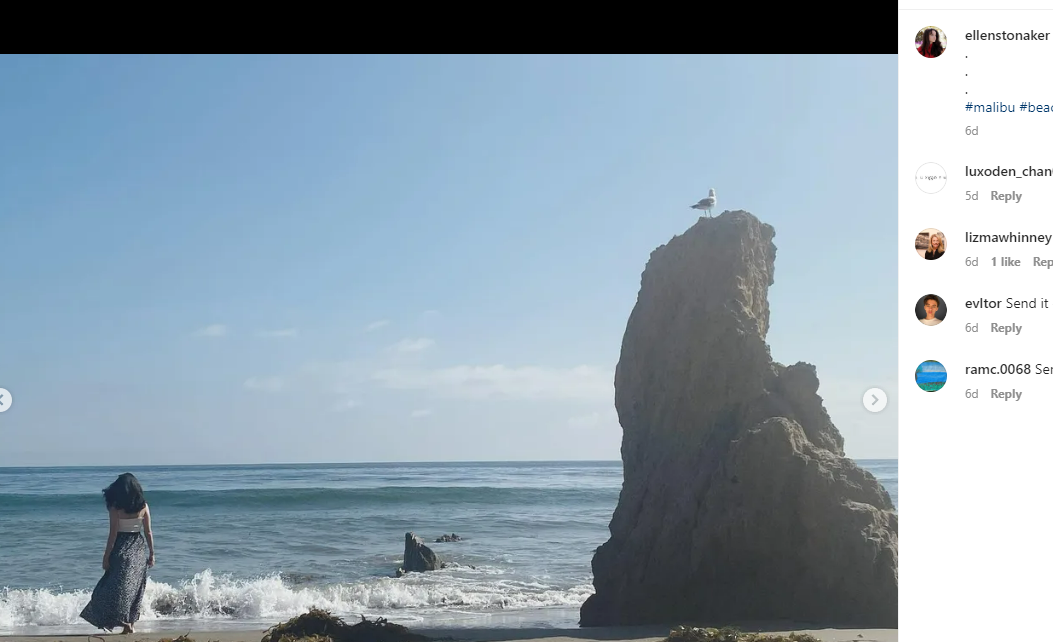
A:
[148,529]
[111,539]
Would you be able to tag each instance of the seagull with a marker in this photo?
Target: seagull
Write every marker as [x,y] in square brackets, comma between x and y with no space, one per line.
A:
[708,202]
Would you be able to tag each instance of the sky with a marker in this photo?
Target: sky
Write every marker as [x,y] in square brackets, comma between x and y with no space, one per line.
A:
[285,259]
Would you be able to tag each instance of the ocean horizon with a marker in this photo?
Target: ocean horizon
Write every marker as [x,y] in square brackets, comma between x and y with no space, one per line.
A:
[247,545]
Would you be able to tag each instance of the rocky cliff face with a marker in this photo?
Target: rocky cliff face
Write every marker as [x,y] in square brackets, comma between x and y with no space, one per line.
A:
[738,503]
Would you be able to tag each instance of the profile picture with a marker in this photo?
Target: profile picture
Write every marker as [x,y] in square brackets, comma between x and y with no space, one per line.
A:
[930,42]
[931,310]
[930,244]
[930,376]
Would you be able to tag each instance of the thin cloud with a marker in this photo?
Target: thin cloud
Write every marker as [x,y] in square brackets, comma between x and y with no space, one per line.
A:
[212,331]
[412,345]
[290,333]
[347,404]
[376,325]
[348,379]
[583,383]
[417,414]
[265,384]
[343,378]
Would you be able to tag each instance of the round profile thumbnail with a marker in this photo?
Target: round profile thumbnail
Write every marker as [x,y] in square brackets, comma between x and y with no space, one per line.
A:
[930,42]
[931,178]
[931,310]
[930,376]
[930,244]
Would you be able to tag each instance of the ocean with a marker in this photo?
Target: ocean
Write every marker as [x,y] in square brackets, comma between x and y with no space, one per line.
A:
[247,546]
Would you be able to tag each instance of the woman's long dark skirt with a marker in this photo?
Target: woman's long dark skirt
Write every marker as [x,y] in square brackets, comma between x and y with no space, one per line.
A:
[118,597]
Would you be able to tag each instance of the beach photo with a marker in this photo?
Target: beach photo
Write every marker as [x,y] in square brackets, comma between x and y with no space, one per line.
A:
[408,348]
[931,376]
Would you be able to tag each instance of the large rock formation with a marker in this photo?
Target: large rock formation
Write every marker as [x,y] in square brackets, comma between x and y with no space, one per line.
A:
[738,503]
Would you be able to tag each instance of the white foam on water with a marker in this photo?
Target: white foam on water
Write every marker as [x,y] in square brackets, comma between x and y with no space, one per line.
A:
[459,594]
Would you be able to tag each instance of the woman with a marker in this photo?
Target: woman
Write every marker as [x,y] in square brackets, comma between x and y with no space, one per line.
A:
[936,248]
[932,306]
[930,46]
[118,597]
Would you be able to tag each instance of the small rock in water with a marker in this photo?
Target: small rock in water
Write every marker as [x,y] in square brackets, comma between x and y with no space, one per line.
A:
[418,557]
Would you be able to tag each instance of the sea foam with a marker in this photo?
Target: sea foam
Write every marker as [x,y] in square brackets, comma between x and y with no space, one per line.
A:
[268,600]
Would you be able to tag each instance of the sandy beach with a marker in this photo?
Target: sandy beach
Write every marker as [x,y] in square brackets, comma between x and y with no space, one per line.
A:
[600,634]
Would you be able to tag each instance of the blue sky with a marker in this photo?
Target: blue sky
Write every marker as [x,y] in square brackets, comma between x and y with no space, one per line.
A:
[287,259]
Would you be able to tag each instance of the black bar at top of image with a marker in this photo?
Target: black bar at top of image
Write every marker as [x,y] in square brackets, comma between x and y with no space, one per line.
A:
[804,31]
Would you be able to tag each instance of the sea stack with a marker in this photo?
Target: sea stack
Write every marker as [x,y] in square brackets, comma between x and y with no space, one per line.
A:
[417,556]
[738,503]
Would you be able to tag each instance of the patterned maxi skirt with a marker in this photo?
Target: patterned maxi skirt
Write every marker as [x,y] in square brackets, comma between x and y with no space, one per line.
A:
[118,597]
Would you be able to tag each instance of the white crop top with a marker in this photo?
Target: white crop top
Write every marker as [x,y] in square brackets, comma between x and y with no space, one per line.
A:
[129,525]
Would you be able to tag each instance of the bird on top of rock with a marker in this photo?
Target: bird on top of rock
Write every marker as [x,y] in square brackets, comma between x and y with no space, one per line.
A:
[708,202]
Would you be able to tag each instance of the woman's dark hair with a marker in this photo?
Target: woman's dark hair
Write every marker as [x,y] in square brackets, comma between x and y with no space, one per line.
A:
[933,48]
[125,494]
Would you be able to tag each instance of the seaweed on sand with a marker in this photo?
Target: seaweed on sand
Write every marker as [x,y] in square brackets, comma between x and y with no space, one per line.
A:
[322,626]
[728,634]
